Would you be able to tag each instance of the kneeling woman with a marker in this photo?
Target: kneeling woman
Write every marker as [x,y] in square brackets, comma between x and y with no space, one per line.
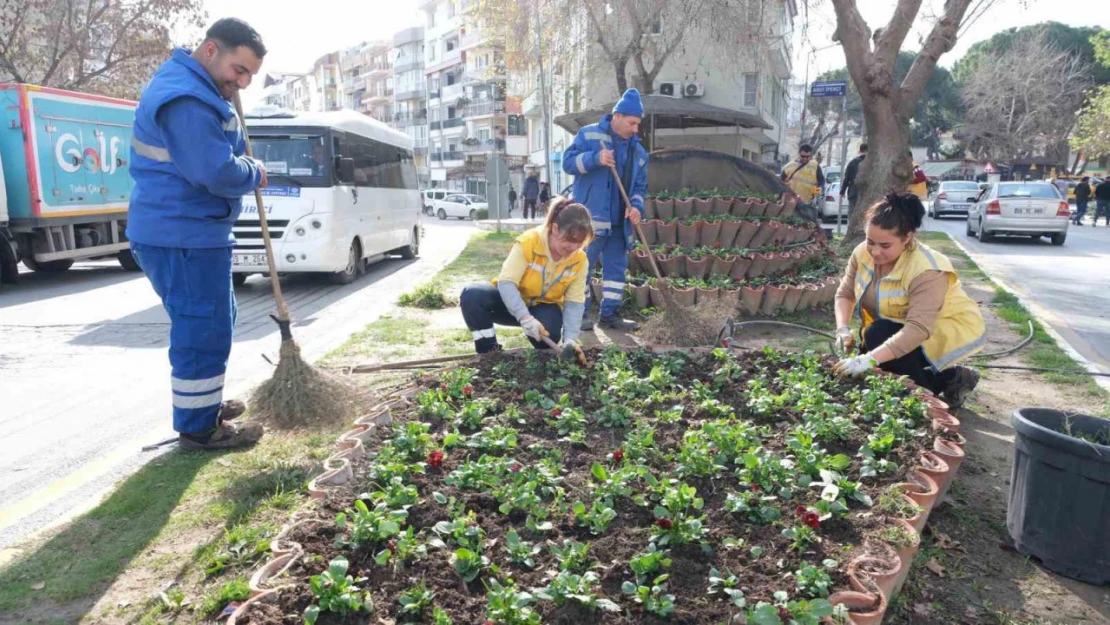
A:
[542,285]
[916,319]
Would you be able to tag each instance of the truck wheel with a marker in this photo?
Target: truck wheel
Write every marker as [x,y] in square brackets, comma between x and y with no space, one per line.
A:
[127,260]
[239,279]
[354,261]
[412,250]
[50,266]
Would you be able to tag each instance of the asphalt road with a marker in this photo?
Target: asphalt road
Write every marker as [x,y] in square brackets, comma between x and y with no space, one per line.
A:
[1068,286]
[84,371]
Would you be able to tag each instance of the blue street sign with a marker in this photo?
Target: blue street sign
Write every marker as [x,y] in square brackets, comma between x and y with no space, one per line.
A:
[834,89]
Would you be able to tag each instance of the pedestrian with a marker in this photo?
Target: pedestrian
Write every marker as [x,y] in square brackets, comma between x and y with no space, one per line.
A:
[919,182]
[545,197]
[916,320]
[848,184]
[542,285]
[1102,201]
[531,193]
[512,199]
[1082,197]
[190,171]
[804,176]
[611,143]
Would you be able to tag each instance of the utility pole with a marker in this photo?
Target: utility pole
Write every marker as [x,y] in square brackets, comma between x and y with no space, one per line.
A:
[543,96]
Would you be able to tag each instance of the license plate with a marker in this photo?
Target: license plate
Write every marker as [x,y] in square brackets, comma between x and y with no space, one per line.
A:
[1028,211]
[251,260]
[957,207]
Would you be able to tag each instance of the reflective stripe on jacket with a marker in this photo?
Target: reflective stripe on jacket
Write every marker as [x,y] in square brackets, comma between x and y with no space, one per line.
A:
[546,281]
[959,331]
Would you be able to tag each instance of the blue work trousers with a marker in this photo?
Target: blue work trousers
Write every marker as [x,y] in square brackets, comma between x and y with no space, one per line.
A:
[611,252]
[482,307]
[196,291]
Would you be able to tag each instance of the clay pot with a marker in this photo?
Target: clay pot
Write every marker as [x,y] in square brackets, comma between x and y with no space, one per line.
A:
[685,297]
[722,205]
[657,299]
[789,203]
[810,298]
[380,415]
[728,232]
[636,262]
[741,208]
[664,209]
[270,570]
[684,208]
[666,233]
[760,263]
[953,456]
[648,227]
[762,236]
[317,488]
[721,266]
[772,300]
[793,297]
[741,268]
[774,209]
[698,268]
[759,207]
[934,401]
[905,555]
[748,230]
[649,208]
[595,289]
[923,491]
[642,294]
[688,234]
[703,206]
[865,608]
[359,433]
[731,295]
[710,233]
[240,613]
[673,267]
[881,568]
[705,296]
[937,469]
[829,293]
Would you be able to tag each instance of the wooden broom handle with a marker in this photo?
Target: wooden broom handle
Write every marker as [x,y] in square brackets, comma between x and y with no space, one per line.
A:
[275,284]
[639,231]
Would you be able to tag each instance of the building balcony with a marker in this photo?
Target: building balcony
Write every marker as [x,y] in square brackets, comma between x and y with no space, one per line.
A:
[377,98]
[483,109]
[516,146]
[452,92]
[489,146]
[780,58]
[447,124]
[408,94]
[378,69]
[407,65]
[450,59]
[414,34]
[532,105]
[448,156]
[490,73]
[474,39]
[405,119]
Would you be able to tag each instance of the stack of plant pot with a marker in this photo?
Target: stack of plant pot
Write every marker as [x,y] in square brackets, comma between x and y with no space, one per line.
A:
[747,249]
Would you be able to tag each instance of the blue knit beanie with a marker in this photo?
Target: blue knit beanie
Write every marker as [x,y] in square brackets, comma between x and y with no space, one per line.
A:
[630,104]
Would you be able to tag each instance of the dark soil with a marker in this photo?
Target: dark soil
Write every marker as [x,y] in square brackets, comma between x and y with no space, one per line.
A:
[628,535]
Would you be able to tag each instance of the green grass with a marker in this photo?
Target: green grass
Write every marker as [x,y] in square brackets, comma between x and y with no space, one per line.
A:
[480,261]
[429,296]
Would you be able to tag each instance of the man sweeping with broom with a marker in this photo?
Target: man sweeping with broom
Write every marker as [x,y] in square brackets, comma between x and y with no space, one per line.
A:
[612,142]
[190,170]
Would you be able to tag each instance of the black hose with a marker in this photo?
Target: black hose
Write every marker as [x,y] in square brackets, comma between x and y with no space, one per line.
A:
[1013,349]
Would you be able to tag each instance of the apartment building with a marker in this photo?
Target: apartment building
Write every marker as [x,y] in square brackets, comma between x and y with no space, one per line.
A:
[410,98]
[328,79]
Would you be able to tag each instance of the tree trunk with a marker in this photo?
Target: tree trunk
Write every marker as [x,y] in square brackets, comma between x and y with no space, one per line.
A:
[620,67]
[887,159]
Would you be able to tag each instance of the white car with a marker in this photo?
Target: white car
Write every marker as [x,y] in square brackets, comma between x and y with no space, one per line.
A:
[1031,209]
[429,197]
[829,201]
[460,206]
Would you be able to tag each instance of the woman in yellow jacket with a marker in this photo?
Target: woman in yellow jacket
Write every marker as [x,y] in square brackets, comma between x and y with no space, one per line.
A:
[542,285]
[915,318]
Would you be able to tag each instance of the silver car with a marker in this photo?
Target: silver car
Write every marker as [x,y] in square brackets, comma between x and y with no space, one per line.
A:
[1031,209]
[952,198]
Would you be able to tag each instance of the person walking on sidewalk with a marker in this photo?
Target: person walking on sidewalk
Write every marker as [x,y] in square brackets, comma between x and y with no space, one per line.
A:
[612,142]
[916,319]
[531,194]
[1102,201]
[1082,196]
[512,200]
[545,197]
[542,285]
[851,172]
[190,171]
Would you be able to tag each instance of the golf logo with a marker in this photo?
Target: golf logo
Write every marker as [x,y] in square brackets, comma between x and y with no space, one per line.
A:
[71,156]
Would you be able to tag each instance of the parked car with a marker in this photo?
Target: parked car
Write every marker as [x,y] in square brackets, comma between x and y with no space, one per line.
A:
[460,206]
[430,196]
[832,174]
[829,202]
[1032,209]
[952,198]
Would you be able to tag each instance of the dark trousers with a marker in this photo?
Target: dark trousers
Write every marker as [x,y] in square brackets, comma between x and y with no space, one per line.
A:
[482,307]
[195,288]
[914,364]
[529,204]
[1080,210]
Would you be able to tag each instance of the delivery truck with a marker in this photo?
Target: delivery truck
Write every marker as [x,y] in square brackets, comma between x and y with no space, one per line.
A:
[65,190]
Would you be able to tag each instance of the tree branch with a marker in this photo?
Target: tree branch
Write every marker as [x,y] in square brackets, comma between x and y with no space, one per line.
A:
[854,36]
[940,40]
[888,40]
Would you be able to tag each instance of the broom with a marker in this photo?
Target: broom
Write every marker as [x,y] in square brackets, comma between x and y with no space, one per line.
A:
[297,394]
[677,325]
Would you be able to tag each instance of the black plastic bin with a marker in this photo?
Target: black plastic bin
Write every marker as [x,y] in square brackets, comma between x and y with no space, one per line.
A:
[1060,493]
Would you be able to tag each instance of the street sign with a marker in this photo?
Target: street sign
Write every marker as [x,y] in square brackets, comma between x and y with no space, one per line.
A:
[497,189]
[830,89]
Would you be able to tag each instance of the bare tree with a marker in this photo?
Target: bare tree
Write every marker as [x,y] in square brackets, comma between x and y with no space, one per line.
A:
[108,47]
[1022,102]
[887,105]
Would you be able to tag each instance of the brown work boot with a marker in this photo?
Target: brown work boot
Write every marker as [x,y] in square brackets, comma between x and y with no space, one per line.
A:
[230,409]
[963,382]
[225,436]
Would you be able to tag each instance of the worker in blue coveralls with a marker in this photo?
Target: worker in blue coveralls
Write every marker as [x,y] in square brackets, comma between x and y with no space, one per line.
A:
[190,172]
[612,142]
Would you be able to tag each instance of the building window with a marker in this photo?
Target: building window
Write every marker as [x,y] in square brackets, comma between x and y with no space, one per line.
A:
[450,9]
[483,134]
[751,90]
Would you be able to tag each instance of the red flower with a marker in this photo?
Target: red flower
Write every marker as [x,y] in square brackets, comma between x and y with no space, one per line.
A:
[516,466]
[443,387]
[556,411]
[618,455]
[468,390]
[391,545]
[664,523]
[799,511]
[784,614]
[435,459]
[756,488]
[812,519]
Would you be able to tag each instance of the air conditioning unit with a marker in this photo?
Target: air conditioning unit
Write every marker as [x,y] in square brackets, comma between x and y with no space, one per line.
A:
[670,89]
[694,90]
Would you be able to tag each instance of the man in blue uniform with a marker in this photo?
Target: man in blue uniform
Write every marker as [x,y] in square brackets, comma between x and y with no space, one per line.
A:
[612,142]
[190,172]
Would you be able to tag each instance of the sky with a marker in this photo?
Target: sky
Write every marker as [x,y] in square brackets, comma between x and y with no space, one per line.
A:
[297,37]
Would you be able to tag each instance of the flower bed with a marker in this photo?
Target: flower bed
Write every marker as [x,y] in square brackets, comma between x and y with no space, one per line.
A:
[649,488]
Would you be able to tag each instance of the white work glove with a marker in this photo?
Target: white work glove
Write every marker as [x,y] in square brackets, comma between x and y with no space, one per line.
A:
[856,366]
[845,341]
[533,329]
